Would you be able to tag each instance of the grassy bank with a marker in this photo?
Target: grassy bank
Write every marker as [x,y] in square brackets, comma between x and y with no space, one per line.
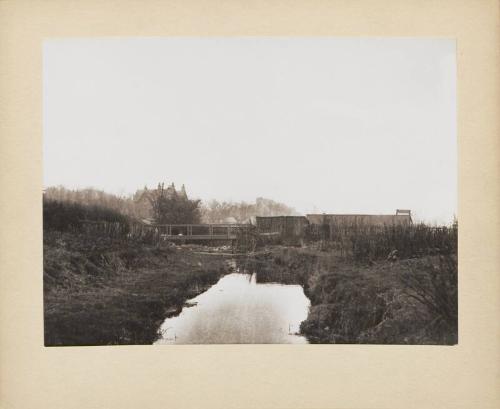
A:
[98,291]
[412,301]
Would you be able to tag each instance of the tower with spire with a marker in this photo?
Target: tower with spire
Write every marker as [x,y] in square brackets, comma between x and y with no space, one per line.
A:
[171,192]
[183,193]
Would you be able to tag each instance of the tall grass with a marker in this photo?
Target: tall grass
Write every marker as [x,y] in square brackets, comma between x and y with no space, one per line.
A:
[365,243]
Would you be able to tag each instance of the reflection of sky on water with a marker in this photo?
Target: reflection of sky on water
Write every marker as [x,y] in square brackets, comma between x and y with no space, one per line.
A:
[239,310]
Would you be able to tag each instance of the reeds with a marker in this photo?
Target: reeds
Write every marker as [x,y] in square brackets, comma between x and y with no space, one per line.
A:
[366,242]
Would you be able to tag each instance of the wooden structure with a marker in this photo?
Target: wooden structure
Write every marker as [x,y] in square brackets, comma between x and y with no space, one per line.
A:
[282,229]
[284,226]
[168,232]
[200,231]
[401,218]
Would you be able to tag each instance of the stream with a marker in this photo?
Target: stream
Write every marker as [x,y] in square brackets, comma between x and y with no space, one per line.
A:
[240,310]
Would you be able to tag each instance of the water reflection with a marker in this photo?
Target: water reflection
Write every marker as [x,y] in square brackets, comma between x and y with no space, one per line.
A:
[237,310]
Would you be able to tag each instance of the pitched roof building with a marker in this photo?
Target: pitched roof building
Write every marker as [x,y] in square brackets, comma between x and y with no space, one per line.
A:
[169,192]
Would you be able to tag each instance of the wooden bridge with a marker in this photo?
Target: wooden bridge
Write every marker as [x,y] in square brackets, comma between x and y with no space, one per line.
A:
[238,234]
[201,231]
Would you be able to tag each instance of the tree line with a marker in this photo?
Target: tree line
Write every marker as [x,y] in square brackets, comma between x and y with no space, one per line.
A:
[164,205]
[243,212]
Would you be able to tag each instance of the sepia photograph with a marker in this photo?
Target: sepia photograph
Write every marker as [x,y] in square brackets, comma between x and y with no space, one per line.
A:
[249,190]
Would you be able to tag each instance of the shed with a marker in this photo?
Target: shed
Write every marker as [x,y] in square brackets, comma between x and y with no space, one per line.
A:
[286,226]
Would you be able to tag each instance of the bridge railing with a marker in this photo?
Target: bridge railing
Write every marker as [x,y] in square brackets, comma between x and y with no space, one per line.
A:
[200,230]
[156,232]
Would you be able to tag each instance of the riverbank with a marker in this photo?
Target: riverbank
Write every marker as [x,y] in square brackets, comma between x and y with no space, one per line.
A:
[99,292]
[412,301]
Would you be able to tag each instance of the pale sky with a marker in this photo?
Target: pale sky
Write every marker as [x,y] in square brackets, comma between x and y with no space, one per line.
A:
[334,125]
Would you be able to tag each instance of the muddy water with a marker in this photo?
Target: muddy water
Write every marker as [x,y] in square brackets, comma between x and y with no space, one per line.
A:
[239,309]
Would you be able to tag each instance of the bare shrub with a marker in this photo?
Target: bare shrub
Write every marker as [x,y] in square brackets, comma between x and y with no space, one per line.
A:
[434,285]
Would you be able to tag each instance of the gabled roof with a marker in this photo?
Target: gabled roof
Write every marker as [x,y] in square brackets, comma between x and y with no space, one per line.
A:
[169,192]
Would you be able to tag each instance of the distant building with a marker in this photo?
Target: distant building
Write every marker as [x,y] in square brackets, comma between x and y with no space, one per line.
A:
[169,192]
[183,193]
[144,197]
[401,218]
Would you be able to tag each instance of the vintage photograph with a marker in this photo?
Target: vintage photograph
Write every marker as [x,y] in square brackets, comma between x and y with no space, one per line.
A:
[249,190]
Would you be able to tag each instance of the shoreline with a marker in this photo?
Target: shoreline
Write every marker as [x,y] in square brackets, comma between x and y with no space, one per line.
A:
[368,303]
[102,292]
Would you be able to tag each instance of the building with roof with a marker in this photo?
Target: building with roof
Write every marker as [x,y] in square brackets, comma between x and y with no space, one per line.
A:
[401,218]
[285,226]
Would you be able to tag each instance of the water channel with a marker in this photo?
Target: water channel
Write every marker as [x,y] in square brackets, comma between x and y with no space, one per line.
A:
[240,310]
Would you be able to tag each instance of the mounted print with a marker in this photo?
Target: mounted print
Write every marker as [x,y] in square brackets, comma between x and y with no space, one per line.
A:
[250,190]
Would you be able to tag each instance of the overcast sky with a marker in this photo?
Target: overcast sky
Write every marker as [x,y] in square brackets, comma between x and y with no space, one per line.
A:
[331,125]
